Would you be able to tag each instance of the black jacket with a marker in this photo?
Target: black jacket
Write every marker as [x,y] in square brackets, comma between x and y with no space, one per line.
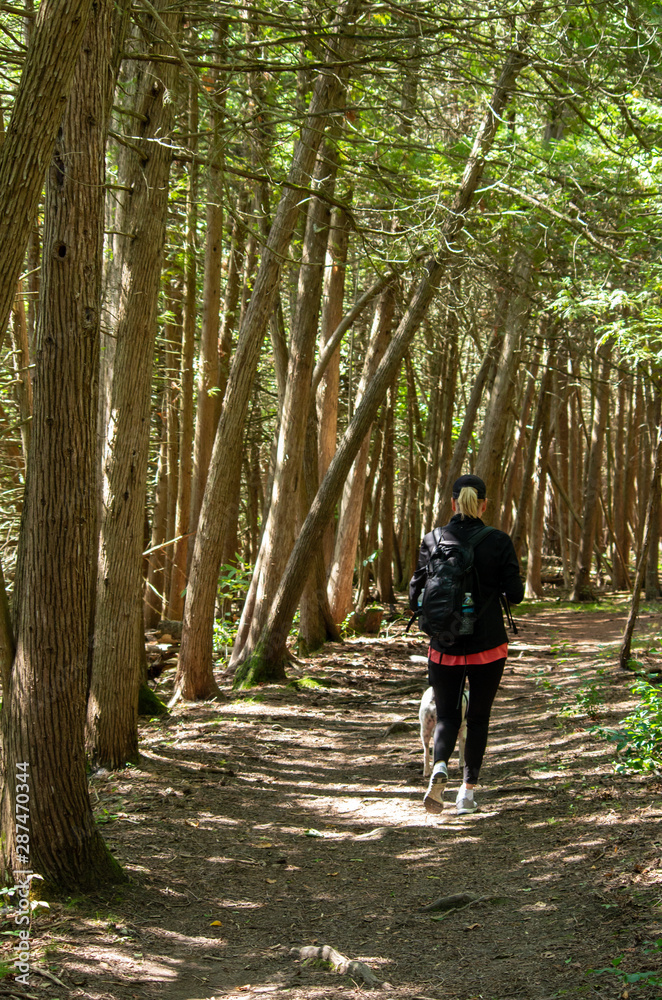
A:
[498,573]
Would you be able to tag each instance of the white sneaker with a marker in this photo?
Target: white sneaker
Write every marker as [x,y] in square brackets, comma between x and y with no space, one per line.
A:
[465,801]
[434,797]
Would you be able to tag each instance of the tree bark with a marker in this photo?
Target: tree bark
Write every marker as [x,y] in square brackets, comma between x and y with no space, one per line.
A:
[581,587]
[44,704]
[186,425]
[207,412]
[624,656]
[112,717]
[518,533]
[26,150]
[329,387]
[443,498]
[490,456]
[386,514]
[271,649]
[341,573]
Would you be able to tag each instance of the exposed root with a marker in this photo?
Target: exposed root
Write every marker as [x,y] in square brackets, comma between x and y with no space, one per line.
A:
[345,966]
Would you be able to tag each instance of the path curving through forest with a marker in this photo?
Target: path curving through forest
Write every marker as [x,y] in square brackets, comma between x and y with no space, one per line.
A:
[292,817]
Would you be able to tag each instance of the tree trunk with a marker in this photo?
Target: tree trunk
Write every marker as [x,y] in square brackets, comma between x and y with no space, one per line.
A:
[173,335]
[316,625]
[154,590]
[271,650]
[581,588]
[207,411]
[386,515]
[652,578]
[490,456]
[443,497]
[186,428]
[341,573]
[624,657]
[112,716]
[521,518]
[26,150]
[619,570]
[44,704]
[539,483]
[329,387]
[194,675]
[21,355]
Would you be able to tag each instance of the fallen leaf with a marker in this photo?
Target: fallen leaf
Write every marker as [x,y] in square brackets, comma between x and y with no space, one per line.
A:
[216,923]
[472,927]
[332,873]
[272,881]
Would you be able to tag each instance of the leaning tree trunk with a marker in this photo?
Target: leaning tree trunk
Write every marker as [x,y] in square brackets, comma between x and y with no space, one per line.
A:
[624,656]
[271,650]
[194,674]
[44,705]
[581,588]
[112,718]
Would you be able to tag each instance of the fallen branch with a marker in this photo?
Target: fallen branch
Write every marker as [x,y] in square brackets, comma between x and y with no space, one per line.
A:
[345,966]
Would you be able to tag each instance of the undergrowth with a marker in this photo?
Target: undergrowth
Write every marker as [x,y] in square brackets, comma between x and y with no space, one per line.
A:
[638,739]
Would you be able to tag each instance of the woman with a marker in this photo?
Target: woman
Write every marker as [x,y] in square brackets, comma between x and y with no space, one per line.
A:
[480,656]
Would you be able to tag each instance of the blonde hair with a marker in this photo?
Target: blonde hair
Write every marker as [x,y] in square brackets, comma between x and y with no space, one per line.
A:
[467,502]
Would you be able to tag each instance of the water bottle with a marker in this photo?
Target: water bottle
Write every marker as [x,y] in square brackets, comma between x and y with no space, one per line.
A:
[468,615]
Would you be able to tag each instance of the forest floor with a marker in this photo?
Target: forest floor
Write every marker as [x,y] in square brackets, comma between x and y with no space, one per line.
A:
[292,816]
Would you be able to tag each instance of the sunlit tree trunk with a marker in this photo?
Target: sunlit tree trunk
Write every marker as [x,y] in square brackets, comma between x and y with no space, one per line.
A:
[342,568]
[328,390]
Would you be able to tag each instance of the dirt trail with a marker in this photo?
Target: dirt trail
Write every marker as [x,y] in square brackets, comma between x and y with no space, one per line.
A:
[293,817]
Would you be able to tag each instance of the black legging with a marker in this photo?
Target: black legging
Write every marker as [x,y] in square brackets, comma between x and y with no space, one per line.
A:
[484,679]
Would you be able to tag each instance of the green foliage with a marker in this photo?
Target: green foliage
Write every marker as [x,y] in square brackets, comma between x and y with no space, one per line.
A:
[639,738]
[233,584]
[650,978]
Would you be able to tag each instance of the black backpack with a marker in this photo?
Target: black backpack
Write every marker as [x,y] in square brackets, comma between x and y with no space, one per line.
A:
[450,575]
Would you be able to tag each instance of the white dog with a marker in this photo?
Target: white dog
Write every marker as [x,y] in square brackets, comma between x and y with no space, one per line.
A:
[427,715]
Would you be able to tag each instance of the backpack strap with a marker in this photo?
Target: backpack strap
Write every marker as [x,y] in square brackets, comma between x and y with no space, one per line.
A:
[479,535]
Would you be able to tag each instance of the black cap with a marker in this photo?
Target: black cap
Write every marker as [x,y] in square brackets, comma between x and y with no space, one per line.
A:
[475,481]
